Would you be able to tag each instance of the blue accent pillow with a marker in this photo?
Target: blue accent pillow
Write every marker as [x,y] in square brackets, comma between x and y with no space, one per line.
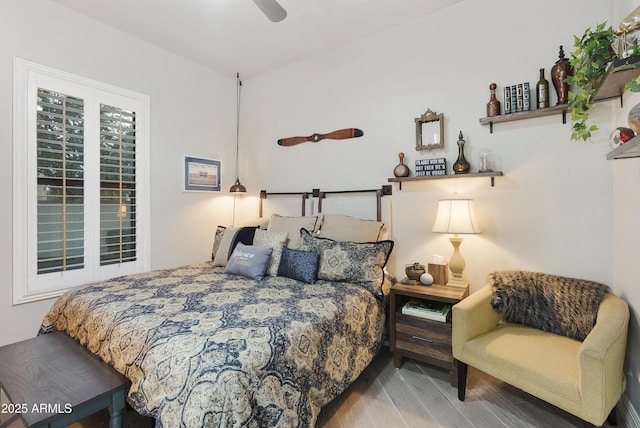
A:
[299,265]
[249,260]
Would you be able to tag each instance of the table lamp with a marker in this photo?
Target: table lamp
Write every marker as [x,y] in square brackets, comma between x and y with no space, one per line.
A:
[456,216]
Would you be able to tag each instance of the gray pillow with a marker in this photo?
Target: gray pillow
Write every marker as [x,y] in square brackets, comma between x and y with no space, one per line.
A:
[299,264]
[249,260]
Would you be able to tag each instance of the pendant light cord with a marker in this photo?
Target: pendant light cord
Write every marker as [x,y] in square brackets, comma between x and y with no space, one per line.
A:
[238,86]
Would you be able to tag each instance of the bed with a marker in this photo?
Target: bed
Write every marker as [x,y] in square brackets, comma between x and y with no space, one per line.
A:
[212,344]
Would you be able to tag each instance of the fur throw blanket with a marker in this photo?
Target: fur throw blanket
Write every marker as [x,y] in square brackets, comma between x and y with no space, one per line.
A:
[565,306]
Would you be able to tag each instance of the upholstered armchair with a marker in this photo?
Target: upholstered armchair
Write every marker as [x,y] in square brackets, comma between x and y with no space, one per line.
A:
[583,377]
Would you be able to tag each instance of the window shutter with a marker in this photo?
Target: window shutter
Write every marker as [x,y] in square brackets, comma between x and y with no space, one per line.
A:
[60,182]
[80,181]
[117,185]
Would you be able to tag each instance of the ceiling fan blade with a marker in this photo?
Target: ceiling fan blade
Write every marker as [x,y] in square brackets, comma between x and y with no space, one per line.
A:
[272,9]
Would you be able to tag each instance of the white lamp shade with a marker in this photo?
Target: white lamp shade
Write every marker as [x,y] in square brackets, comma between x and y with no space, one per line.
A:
[456,216]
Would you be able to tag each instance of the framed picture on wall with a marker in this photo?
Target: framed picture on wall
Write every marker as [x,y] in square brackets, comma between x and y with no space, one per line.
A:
[201,175]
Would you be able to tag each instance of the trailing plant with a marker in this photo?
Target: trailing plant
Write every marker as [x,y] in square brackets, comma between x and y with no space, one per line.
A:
[593,53]
[633,86]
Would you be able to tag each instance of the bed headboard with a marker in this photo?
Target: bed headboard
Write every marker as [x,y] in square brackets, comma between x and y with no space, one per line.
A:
[385,190]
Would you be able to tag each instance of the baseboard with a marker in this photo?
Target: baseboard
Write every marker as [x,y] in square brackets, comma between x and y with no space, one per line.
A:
[628,413]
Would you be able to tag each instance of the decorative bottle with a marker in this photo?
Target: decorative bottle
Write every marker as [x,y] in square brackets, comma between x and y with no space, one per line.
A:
[542,91]
[401,170]
[559,72]
[461,166]
[493,106]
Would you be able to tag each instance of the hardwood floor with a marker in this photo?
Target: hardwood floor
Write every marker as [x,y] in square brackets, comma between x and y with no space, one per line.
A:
[417,396]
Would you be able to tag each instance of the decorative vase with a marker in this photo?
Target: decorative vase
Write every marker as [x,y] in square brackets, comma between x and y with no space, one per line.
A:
[619,136]
[414,271]
[461,166]
[493,106]
[559,72]
[401,170]
[634,118]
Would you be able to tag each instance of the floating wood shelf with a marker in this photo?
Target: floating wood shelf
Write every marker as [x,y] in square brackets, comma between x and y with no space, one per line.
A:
[541,112]
[491,174]
[619,73]
[630,149]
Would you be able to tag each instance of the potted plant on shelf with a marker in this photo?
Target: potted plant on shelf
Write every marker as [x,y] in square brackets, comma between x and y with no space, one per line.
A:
[593,53]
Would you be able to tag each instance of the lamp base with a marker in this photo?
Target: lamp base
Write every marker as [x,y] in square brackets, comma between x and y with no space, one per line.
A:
[456,264]
[458,282]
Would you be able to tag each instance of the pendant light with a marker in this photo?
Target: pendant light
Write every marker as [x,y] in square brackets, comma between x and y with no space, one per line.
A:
[237,186]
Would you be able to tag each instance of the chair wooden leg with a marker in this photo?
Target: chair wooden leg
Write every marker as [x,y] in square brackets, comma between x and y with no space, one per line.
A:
[462,380]
[612,419]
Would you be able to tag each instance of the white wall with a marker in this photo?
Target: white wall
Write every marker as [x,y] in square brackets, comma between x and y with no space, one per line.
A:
[192,113]
[626,250]
[626,181]
[554,209]
[626,235]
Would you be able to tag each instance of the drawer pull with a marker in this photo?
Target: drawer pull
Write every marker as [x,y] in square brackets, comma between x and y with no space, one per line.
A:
[422,339]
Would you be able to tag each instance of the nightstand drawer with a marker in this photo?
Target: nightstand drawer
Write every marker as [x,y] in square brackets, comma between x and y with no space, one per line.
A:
[424,337]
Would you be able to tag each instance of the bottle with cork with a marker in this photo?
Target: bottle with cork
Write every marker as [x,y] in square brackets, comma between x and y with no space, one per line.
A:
[542,91]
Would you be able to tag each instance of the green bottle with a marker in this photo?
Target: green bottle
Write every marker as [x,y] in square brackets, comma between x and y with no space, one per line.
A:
[542,91]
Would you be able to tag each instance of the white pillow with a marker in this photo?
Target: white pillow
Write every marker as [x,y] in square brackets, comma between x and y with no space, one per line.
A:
[292,226]
[345,228]
[222,253]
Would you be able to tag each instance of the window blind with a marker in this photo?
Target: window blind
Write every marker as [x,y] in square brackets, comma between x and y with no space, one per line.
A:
[80,181]
[60,182]
[117,185]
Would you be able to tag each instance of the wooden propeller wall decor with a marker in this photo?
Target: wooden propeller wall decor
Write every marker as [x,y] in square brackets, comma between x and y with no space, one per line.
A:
[341,134]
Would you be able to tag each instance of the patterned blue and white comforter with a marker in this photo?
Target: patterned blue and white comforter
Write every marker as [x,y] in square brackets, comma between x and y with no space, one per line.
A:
[203,348]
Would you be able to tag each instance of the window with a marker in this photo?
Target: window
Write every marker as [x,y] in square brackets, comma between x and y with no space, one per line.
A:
[80,181]
[60,178]
[117,185]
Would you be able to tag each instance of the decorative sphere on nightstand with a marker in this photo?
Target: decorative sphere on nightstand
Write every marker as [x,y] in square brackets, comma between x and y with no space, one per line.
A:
[426,279]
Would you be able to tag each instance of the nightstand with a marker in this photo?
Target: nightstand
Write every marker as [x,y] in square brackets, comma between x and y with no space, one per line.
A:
[421,339]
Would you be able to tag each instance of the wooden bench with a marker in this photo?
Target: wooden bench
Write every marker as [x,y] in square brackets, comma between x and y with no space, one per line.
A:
[52,381]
